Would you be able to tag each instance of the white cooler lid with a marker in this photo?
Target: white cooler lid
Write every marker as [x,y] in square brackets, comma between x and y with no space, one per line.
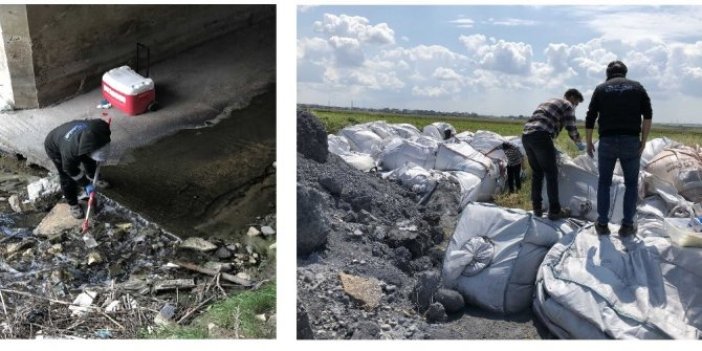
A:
[126,81]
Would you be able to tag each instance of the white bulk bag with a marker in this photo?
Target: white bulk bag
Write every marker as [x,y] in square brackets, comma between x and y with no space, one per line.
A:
[337,144]
[494,254]
[486,141]
[681,167]
[644,287]
[462,157]
[437,130]
[400,152]
[405,130]
[362,139]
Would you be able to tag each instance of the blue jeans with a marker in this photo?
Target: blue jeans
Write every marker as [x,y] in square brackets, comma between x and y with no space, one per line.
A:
[626,149]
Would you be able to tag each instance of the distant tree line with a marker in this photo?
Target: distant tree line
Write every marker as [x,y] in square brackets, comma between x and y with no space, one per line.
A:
[404,111]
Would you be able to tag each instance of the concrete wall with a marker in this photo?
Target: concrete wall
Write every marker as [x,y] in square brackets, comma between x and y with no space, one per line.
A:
[73,45]
[16,70]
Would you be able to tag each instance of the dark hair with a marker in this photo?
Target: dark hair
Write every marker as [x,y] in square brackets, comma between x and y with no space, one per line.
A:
[447,134]
[616,69]
[573,93]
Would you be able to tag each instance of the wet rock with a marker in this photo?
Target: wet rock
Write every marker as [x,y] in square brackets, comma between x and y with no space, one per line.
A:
[365,290]
[56,222]
[304,330]
[403,257]
[366,330]
[15,203]
[253,232]
[410,239]
[311,137]
[312,227]
[452,300]
[423,292]
[223,253]
[332,185]
[198,244]
[165,315]
[267,230]
[436,313]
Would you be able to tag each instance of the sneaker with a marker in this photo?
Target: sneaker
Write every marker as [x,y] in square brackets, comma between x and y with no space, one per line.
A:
[77,211]
[602,229]
[626,230]
[564,213]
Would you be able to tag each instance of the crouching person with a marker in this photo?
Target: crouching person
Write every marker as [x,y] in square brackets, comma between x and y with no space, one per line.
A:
[75,148]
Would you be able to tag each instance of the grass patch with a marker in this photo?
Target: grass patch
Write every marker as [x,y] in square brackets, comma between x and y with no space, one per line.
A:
[234,318]
[334,120]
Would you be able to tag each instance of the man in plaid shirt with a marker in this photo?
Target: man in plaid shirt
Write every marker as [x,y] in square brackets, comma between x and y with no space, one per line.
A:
[545,124]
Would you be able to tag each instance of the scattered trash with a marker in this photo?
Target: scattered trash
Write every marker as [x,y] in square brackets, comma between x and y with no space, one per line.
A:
[104,104]
[15,203]
[81,305]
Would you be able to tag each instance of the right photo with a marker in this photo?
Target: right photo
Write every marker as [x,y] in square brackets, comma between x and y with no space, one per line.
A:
[499,172]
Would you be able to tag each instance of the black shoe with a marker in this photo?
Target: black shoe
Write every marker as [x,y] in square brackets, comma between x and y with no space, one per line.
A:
[538,213]
[602,229]
[563,213]
[626,230]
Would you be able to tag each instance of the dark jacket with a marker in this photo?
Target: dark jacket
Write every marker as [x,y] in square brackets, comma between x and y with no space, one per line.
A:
[71,143]
[618,105]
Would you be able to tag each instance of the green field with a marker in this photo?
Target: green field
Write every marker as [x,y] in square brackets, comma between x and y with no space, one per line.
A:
[336,120]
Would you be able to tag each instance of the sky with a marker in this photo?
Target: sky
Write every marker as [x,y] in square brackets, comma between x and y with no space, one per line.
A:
[497,60]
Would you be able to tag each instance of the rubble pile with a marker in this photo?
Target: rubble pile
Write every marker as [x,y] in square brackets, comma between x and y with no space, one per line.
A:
[122,279]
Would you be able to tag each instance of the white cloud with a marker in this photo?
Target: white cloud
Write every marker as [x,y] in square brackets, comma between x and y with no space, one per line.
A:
[355,27]
[499,55]
[305,8]
[347,51]
[312,46]
[512,22]
[442,73]
[463,22]
[664,24]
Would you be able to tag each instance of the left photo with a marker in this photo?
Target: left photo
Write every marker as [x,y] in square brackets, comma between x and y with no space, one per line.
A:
[137,171]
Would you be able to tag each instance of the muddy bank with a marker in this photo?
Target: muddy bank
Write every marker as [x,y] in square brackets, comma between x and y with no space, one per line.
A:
[207,182]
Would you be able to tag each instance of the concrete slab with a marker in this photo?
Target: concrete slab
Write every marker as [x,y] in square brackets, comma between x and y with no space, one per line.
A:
[56,222]
[192,88]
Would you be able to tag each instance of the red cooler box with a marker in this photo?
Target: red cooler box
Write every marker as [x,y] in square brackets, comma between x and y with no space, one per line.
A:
[128,90]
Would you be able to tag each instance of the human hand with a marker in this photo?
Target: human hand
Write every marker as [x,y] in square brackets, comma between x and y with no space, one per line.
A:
[590,149]
[89,189]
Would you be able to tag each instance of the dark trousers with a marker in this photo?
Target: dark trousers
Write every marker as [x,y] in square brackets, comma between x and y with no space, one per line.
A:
[514,179]
[68,185]
[541,154]
[625,148]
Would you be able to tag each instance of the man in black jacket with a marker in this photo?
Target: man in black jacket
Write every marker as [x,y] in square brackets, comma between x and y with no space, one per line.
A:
[75,148]
[617,105]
